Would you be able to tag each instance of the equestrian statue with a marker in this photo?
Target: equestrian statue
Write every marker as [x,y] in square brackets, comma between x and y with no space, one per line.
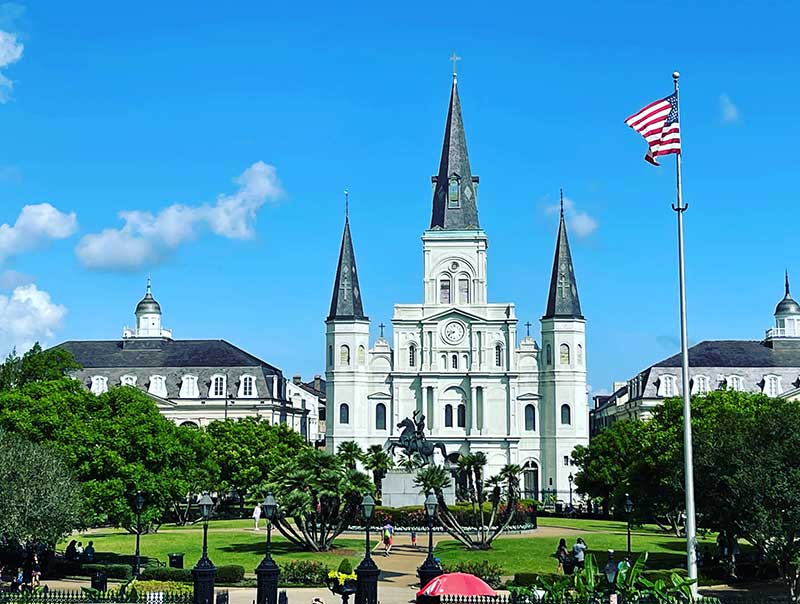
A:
[412,440]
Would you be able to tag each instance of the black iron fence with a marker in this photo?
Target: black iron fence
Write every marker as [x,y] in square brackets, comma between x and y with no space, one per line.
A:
[532,599]
[81,597]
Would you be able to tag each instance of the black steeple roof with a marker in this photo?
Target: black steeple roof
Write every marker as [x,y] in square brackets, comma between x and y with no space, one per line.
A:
[346,300]
[562,301]
[460,214]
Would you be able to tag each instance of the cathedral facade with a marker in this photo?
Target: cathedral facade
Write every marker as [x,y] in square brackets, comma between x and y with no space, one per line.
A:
[457,358]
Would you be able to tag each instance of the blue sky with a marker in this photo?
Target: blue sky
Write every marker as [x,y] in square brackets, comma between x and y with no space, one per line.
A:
[253,117]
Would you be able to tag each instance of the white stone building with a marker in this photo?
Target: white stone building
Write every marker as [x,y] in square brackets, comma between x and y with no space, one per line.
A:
[455,357]
[770,366]
[193,382]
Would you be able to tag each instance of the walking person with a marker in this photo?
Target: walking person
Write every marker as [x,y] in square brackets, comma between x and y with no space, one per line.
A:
[579,553]
[561,555]
[388,534]
[256,515]
[414,539]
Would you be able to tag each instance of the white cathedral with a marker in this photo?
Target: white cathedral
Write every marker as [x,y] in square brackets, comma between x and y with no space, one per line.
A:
[455,357]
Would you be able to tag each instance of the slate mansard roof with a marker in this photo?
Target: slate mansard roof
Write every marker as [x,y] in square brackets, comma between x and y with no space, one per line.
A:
[161,352]
[735,353]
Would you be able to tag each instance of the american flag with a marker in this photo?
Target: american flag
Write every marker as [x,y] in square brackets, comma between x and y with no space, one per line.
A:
[658,124]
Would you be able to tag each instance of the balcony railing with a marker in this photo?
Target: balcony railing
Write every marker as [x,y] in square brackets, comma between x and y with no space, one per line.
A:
[781,332]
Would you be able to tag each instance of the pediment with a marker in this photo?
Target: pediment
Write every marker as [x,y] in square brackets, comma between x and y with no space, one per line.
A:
[379,396]
[455,312]
[529,396]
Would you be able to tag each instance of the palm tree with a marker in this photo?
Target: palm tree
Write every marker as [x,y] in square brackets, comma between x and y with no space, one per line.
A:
[350,454]
[378,462]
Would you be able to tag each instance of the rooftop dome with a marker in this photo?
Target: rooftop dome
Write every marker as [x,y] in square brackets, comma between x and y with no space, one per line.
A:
[788,304]
[148,304]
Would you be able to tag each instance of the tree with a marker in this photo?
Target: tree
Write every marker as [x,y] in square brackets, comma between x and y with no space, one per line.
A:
[319,497]
[115,444]
[503,497]
[350,454]
[249,449]
[605,463]
[378,461]
[40,501]
[36,365]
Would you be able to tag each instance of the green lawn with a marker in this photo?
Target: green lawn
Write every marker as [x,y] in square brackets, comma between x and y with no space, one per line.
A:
[229,542]
[536,554]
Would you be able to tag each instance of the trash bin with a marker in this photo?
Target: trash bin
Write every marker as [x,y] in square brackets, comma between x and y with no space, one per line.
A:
[176,560]
[100,581]
[559,508]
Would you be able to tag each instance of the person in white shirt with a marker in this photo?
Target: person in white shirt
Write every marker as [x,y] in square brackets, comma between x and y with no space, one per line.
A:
[579,553]
[256,515]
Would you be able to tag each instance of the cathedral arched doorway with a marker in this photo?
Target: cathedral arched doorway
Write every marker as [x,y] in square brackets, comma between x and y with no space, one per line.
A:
[530,480]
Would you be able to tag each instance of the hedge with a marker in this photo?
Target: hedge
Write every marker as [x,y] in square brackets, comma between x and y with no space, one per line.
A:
[231,573]
[489,572]
[166,573]
[530,579]
[304,572]
[112,571]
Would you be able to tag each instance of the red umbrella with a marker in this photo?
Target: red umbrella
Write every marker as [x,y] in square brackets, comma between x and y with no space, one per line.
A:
[456,584]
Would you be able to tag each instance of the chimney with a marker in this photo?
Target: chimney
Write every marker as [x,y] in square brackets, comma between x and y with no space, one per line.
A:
[297,380]
[318,383]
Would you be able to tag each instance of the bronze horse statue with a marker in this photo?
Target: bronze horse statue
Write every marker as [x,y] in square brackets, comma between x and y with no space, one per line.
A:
[412,440]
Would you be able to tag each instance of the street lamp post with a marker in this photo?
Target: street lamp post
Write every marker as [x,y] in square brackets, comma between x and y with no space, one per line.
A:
[367,571]
[138,504]
[571,479]
[610,570]
[430,568]
[628,504]
[204,572]
[267,572]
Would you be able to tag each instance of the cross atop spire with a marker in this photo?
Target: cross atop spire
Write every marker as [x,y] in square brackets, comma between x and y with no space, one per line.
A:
[562,300]
[346,205]
[787,282]
[455,192]
[455,58]
[562,201]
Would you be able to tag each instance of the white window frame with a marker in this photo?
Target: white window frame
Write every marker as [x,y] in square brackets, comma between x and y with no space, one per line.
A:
[701,384]
[771,381]
[412,355]
[668,386]
[99,384]
[158,386]
[253,388]
[189,387]
[212,390]
[127,380]
[735,382]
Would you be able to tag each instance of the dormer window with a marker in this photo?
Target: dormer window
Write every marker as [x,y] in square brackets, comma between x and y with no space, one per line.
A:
[99,384]
[247,387]
[453,193]
[217,389]
[128,380]
[189,387]
[158,386]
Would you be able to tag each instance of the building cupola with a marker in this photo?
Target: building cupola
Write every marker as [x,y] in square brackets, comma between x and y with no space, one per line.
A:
[787,316]
[148,319]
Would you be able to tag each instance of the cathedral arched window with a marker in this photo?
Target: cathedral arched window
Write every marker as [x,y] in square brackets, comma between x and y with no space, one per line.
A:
[549,355]
[563,352]
[380,416]
[453,193]
[362,355]
[444,361]
[461,412]
[344,413]
[330,356]
[498,355]
[580,354]
[444,290]
[448,416]
[530,417]
[566,415]
[463,290]
[412,356]
[344,355]
[454,361]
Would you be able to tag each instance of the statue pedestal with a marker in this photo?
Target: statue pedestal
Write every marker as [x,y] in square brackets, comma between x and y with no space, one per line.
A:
[398,490]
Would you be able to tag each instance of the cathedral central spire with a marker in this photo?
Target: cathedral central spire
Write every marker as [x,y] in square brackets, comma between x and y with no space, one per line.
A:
[346,300]
[455,198]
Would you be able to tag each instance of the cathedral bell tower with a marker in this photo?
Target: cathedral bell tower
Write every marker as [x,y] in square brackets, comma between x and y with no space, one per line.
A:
[565,410]
[347,343]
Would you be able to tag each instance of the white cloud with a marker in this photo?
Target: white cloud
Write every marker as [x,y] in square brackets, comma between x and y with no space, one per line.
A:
[35,225]
[27,315]
[10,52]
[580,224]
[147,238]
[729,113]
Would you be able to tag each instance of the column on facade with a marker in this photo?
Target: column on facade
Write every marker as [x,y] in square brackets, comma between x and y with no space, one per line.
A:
[473,408]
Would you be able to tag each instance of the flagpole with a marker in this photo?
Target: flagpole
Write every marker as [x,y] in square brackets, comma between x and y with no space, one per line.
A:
[691,528]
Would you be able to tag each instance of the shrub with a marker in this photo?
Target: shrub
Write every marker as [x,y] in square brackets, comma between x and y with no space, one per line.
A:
[165,573]
[654,575]
[531,579]
[112,571]
[171,587]
[231,573]
[304,572]
[491,573]
[346,567]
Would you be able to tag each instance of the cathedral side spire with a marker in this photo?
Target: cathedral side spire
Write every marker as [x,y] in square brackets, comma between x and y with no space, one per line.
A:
[346,300]
[562,300]
[455,203]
